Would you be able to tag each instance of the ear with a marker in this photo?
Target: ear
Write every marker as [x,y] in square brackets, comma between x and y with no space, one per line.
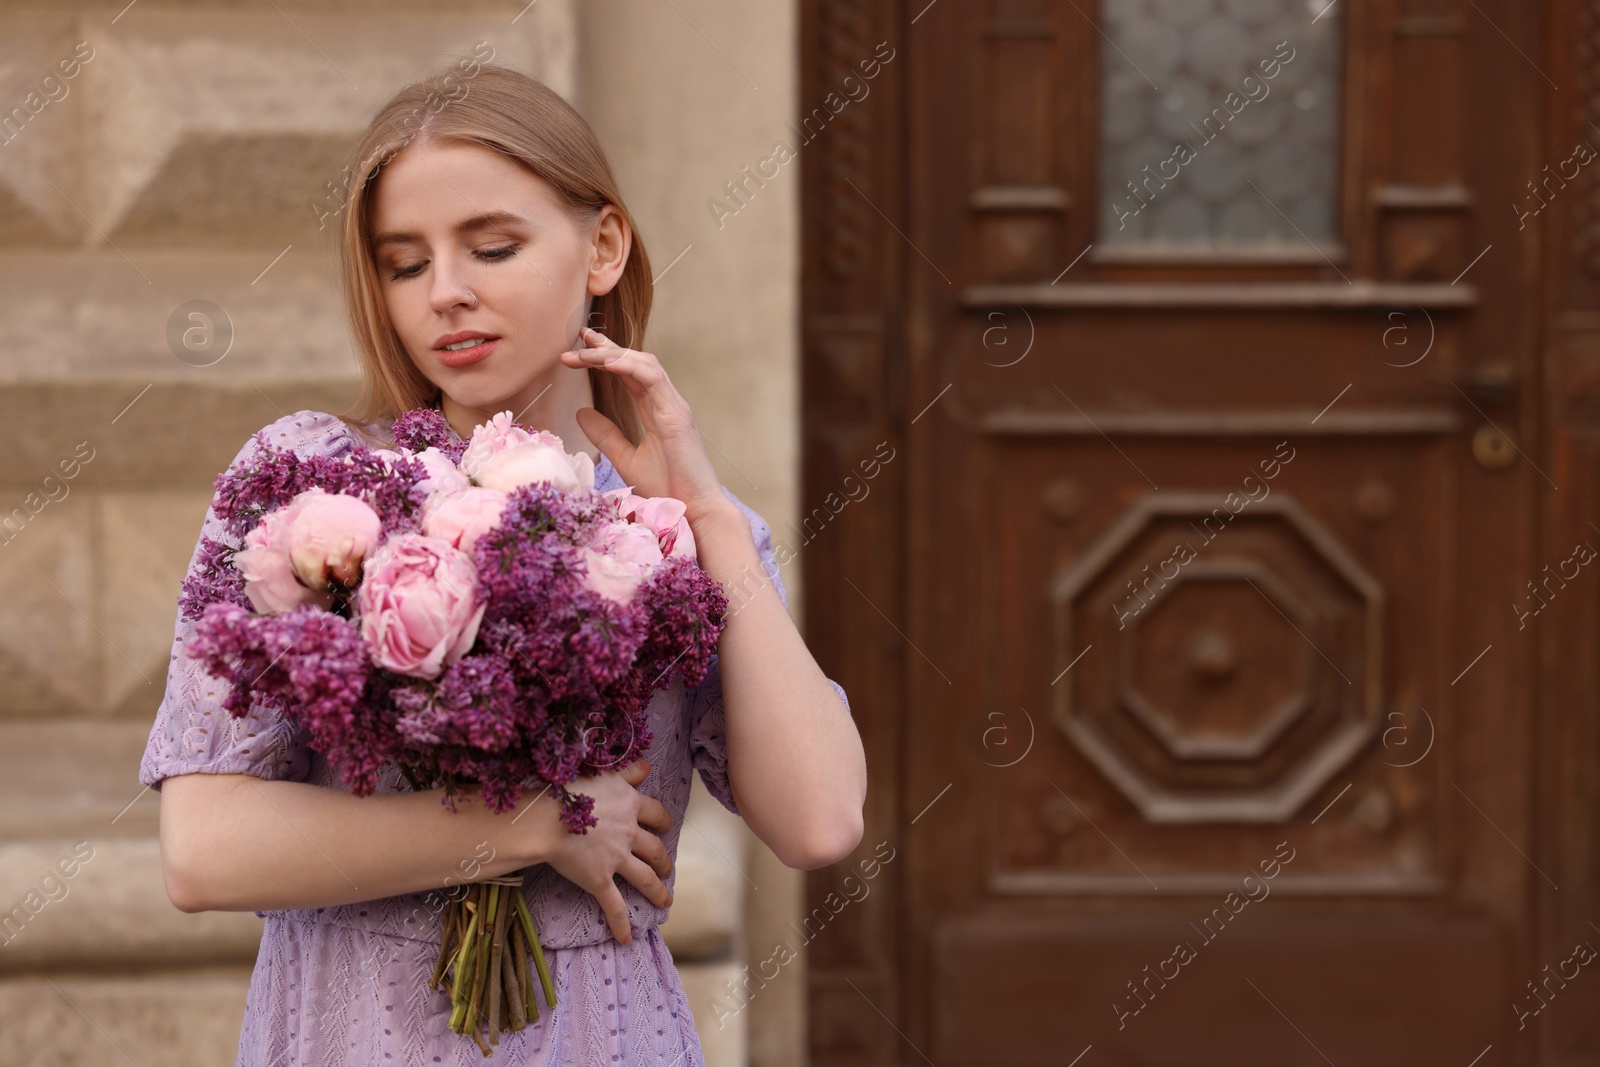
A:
[610,242]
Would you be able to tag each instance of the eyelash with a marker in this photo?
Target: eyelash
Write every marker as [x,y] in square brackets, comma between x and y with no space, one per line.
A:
[486,254]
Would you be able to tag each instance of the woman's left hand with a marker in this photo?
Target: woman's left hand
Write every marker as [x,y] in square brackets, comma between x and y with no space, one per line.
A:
[670,461]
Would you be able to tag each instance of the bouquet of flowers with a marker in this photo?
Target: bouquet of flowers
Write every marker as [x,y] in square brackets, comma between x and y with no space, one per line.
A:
[475,613]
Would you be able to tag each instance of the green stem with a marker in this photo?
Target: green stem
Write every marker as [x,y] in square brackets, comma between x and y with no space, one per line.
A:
[530,1006]
[448,929]
[538,951]
[516,1017]
[460,986]
[497,935]
[480,966]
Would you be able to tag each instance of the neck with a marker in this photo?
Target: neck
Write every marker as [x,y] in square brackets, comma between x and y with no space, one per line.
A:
[549,403]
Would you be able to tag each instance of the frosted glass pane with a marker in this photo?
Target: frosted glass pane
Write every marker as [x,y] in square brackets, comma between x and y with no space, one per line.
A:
[1218,123]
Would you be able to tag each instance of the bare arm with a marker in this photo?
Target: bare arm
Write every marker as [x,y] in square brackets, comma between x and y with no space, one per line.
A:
[796,764]
[236,842]
[795,759]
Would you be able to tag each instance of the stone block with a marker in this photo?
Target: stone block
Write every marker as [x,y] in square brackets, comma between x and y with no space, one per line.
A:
[187,1019]
[113,913]
[75,778]
[42,117]
[49,651]
[145,543]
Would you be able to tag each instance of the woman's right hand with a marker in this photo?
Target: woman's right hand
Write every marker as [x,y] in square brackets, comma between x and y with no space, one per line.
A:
[624,842]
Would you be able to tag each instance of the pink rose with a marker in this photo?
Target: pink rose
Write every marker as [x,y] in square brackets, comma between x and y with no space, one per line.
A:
[460,518]
[532,462]
[442,475]
[631,542]
[610,577]
[664,515]
[329,534]
[387,455]
[503,456]
[619,559]
[289,556]
[495,436]
[419,605]
[269,578]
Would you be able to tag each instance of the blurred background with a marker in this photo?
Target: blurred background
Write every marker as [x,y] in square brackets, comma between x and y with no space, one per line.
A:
[1177,419]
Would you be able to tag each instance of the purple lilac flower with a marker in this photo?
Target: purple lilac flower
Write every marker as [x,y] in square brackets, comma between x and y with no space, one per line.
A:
[423,428]
[472,704]
[307,660]
[278,475]
[247,493]
[214,580]
[556,686]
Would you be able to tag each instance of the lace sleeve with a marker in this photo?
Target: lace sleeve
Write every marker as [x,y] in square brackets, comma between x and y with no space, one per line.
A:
[708,747]
[193,733]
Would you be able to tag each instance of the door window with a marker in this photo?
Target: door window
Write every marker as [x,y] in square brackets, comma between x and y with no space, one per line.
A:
[1218,122]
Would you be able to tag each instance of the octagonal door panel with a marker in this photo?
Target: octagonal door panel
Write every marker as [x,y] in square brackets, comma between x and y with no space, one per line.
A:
[1209,664]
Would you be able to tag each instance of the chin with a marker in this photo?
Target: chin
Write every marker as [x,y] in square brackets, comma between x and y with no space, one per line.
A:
[490,401]
[470,391]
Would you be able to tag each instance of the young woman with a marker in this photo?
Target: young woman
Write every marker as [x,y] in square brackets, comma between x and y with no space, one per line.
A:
[480,240]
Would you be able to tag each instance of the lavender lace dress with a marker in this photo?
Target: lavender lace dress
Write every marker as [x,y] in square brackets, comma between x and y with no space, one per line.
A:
[349,984]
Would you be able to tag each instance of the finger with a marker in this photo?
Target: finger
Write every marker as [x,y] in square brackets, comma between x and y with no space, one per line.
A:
[594,338]
[637,771]
[605,434]
[653,815]
[649,848]
[596,349]
[616,909]
[640,371]
[644,879]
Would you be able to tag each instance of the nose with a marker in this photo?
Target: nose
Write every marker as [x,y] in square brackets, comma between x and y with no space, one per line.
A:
[449,289]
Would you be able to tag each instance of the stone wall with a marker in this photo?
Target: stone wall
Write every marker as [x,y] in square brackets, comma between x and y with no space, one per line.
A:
[181,170]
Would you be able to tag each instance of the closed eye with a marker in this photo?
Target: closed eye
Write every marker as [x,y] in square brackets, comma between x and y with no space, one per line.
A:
[494,255]
[488,255]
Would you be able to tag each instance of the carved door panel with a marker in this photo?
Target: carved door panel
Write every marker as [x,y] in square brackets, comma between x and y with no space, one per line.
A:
[1206,675]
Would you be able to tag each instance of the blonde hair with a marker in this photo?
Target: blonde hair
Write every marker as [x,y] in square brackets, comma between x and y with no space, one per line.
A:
[512,113]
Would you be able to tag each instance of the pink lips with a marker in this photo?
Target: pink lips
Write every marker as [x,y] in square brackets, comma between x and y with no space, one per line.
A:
[467,356]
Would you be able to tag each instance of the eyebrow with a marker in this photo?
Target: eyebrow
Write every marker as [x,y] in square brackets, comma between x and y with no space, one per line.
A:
[476,222]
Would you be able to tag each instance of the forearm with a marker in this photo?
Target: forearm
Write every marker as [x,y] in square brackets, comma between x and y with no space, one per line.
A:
[795,758]
[235,842]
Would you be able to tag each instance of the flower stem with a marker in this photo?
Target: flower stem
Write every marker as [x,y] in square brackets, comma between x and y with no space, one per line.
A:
[449,932]
[515,1014]
[480,971]
[497,938]
[538,952]
[487,937]
[530,1006]
[460,987]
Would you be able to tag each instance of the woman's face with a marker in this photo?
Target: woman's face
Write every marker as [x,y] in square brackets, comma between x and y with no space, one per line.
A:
[470,246]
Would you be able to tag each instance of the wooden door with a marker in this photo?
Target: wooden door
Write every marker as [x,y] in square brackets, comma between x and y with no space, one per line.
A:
[1220,629]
